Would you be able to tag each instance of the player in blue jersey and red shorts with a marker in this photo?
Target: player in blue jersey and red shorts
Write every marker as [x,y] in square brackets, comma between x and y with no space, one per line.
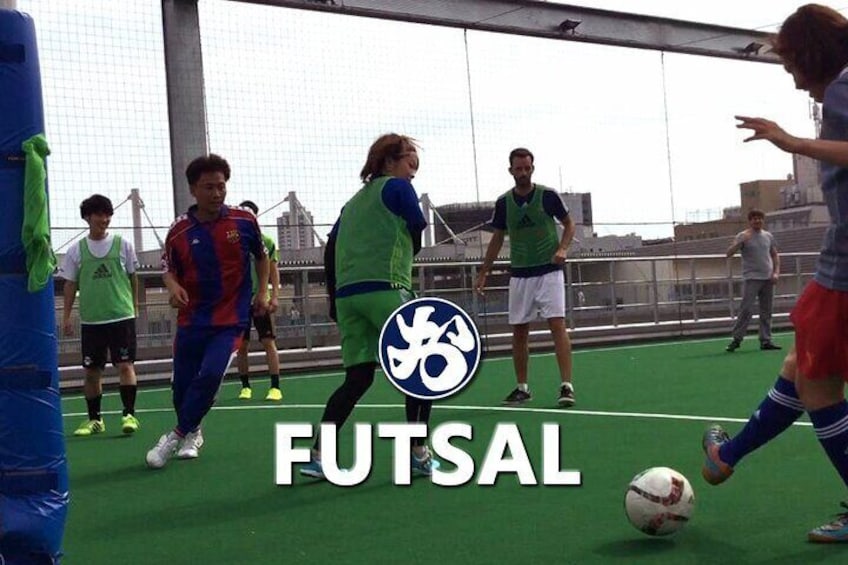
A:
[813,45]
[208,275]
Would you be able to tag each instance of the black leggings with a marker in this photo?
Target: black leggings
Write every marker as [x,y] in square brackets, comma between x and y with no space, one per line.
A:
[358,380]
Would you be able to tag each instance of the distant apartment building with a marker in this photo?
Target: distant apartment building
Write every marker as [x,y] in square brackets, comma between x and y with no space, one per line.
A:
[725,227]
[295,230]
[579,206]
[806,188]
[766,195]
[607,244]
[463,219]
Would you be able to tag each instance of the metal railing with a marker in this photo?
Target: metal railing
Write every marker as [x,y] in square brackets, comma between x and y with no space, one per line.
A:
[619,298]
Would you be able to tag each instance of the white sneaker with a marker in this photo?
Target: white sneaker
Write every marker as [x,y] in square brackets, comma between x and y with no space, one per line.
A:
[163,450]
[191,445]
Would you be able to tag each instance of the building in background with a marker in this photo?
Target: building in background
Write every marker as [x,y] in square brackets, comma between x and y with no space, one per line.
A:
[296,227]
[469,222]
[770,196]
[765,195]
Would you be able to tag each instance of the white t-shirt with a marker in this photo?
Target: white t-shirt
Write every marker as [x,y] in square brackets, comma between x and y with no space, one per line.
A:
[69,269]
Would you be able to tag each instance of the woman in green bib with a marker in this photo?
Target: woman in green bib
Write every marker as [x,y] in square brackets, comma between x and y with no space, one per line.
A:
[368,263]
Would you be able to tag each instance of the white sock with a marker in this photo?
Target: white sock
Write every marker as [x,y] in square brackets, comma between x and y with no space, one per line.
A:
[523,387]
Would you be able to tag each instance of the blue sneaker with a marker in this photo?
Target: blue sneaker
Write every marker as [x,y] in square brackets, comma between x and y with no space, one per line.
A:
[313,469]
[715,471]
[424,467]
[834,532]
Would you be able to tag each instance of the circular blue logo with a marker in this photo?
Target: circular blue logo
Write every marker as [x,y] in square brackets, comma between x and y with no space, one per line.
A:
[429,348]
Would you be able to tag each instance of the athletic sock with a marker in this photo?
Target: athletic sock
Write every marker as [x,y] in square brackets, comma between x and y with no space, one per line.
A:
[831,425]
[245,381]
[275,381]
[418,411]
[93,405]
[128,394]
[778,410]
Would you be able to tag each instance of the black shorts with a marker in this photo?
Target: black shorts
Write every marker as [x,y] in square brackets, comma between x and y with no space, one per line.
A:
[264,328]
[118,338]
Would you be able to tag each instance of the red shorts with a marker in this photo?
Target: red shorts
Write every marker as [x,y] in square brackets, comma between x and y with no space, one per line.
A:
[821,332]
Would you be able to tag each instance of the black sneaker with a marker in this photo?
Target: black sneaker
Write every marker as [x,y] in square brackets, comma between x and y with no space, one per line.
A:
[566,397]
[769,346]
[517,397]
[733,346]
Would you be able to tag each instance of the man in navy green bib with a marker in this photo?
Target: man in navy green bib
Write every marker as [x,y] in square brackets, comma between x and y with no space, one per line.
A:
[368,264]
[527,213]
[103,267]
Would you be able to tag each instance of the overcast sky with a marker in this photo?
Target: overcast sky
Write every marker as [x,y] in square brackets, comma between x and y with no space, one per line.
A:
[294,99]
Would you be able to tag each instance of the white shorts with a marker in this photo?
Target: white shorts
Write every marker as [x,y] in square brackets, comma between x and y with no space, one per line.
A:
[531,296]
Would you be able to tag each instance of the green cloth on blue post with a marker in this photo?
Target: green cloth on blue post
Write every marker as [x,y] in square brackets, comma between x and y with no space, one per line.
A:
[35,232]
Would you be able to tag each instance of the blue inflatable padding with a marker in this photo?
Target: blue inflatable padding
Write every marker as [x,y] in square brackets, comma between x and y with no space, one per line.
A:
[22,111]
[33,468]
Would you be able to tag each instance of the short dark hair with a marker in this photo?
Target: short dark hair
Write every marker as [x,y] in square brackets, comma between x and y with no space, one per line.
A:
[756,213]
[96,204]
[520,152]
[250,204]
[207,164]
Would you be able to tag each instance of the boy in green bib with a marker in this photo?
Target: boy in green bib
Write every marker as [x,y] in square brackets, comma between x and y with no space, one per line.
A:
[103,267]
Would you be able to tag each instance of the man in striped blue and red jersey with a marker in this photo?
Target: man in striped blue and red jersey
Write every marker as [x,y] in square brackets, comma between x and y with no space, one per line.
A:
[207,272]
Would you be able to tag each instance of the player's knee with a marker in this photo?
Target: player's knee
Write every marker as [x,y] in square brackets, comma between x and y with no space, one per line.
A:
[126,370]
[93,374]
[557,324]
[816,394]
[359,378]
[790,366]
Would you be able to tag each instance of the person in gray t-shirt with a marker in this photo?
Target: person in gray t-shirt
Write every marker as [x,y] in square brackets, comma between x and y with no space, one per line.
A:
[760,271]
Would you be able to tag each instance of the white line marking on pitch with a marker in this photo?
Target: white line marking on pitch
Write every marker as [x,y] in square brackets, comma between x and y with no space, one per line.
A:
[557,411]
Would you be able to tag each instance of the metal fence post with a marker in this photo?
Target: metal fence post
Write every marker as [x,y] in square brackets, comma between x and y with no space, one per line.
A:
[307,314]
[694,286]
[613,299]
[475,306]
[656,291]
[730,285]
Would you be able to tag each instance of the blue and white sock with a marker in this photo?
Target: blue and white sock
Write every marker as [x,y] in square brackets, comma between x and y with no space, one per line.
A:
[778,410]
[831,425]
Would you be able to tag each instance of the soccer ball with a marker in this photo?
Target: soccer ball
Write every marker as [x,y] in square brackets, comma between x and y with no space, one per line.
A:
[659,501]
